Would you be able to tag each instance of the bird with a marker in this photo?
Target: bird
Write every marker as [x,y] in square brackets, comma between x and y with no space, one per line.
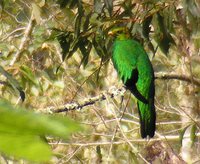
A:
[136,72]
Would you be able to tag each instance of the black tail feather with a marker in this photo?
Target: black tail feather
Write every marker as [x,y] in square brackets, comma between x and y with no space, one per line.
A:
[147,128]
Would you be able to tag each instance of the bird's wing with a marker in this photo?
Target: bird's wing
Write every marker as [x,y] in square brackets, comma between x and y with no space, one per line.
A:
[124,59]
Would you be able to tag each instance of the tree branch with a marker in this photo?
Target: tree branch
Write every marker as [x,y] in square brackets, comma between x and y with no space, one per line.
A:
[161,138]
[25,39]
[167,76]
[89,101]
[112,93]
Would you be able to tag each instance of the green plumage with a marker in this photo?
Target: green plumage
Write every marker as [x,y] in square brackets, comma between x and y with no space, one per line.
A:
[135,69]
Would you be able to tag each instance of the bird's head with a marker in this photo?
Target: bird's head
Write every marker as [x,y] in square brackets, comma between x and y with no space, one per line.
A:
[120,33]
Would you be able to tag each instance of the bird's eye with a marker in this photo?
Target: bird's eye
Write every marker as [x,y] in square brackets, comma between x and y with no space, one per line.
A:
[118,32]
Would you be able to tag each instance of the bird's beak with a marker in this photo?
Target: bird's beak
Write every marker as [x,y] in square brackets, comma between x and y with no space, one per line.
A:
[110,33]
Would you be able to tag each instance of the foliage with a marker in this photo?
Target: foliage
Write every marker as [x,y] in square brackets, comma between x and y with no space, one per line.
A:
[56,52]
[22,133]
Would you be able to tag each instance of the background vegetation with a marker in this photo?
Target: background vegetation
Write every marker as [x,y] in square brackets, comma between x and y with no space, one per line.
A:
[55,59]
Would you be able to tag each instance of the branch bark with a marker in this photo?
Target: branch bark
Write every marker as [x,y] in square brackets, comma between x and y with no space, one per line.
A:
[25,39]
[113,93]
[161,138]
[167,76]
[89,101]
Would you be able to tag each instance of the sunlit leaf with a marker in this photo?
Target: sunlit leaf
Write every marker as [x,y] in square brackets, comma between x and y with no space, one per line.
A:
[193,133]
[29,147]
[28,74]
[36,12]
[78,20]
[35,124]
[13,82]
[109,6]
[98,6]
[181,134]
[162,35]
[133,157]
[20,132]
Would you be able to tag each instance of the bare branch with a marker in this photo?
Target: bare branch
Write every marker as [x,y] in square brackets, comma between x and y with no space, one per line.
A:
[161,138]
[25,39]
[167,76]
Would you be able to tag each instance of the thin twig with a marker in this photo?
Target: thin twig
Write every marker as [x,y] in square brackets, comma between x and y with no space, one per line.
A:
[12,33]
[25,40]
[160,138]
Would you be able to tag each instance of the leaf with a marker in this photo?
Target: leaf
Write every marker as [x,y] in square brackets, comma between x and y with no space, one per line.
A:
[64,40]
[32,123]
[13,82]
[74,3]
[70,3]
[78,21]
[182,134]
[74,47]
[36,12]
[109,6]
[193,133]
[77,25]
[133,157]
[99,45]
[29,147]
[98,6]
[162,36]
[194,8]
[20,134]
[146,27]
[28,74]
[87,22]
[99,153]
[85,47]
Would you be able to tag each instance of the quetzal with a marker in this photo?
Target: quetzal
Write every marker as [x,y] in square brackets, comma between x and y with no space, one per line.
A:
[136,71]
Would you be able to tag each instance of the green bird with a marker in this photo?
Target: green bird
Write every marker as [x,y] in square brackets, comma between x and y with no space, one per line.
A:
[136,71]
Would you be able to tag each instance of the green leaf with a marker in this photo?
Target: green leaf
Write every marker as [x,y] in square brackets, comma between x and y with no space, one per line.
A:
[73,3]
[85,47]
[99,45]
[193,7]
[13,82]
[36,11]
[29,147]
[133,157]
[32,123]
[65,39]
[182,134]
[162,35]
[78,21]
[70,3]
[28,74]
[98,150]
[87,22]
[98,6]
[146,27]
[109,6]
[193,133]
[20,132]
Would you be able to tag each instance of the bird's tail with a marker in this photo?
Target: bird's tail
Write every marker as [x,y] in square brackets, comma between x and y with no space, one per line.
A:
[147,118]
